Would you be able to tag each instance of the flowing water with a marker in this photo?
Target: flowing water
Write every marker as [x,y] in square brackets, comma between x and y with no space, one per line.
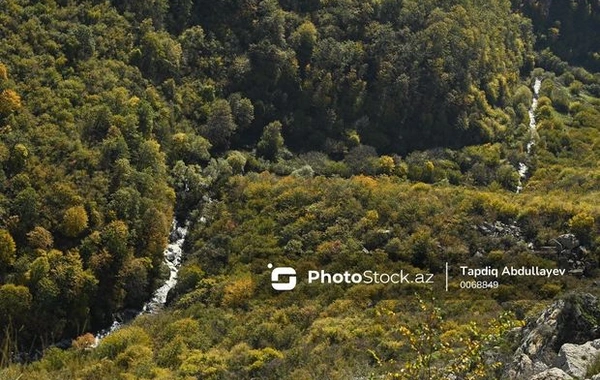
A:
[523,168]
[173,255]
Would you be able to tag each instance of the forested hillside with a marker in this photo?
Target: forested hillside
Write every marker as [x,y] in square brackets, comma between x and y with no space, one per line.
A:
[567,28]
[339,134]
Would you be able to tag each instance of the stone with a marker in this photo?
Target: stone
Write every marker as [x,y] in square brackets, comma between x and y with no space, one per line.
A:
[573,319]
[539,367]
[568,241]
[576,272]
[575,359]
[552,374]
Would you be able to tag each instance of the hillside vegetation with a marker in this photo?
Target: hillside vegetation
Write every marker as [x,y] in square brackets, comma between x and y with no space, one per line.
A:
[335,134]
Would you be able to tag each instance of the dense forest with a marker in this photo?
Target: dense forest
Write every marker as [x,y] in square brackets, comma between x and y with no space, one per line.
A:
[330,134]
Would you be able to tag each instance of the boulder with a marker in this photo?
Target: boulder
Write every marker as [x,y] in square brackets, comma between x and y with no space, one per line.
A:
[579,320]
[574,319]
[567,241]
[552,374]
[575,359]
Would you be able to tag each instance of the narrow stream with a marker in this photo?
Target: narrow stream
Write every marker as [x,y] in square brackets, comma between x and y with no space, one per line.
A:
[173,255]
[172,258]
[523,168]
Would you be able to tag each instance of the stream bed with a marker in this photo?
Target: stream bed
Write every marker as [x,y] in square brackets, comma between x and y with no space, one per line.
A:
[172,258]
[522,167]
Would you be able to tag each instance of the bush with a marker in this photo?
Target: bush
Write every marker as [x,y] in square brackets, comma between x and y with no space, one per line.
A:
[304,172]
[171,353]
[209,366]
[560,99]
[117,342]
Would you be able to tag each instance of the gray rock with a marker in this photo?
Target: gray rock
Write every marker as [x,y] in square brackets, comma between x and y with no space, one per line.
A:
[576,272]
[568,241]
[523,365]
[575,359]
[574,319]
[595,344]
[552,374]
[539,367]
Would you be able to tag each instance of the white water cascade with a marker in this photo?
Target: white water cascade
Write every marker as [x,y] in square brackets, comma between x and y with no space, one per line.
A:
[173,255]
[523,168]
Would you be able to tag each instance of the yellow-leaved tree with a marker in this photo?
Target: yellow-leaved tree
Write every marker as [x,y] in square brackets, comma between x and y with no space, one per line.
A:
[439,352]
[75,221]
[8,249]
[10,101]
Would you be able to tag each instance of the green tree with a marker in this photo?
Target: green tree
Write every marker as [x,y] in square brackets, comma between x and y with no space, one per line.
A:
[237,161]
[242,110]
[146,116]
[19,156]
[220,125]
[115,237]
[26,205]
[159,55]
[304,40]
[80,44]
[179,15]
[271,142]
[134,280]
[15,303]
[155,227]
[189,148]
[151,158]
[113,148]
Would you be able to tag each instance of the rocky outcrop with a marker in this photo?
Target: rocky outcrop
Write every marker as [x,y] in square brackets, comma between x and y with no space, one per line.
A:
[571,255]
[567,241]
[564,338]
[499,229]
[575,359]
[536,351]
[552,374]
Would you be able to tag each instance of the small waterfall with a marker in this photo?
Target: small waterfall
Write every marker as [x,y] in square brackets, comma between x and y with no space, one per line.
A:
[523,168]
[173,255]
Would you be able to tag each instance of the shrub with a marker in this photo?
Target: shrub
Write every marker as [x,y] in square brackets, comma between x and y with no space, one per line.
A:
[209,366]
[171,354]
[84,342]
[117,342]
